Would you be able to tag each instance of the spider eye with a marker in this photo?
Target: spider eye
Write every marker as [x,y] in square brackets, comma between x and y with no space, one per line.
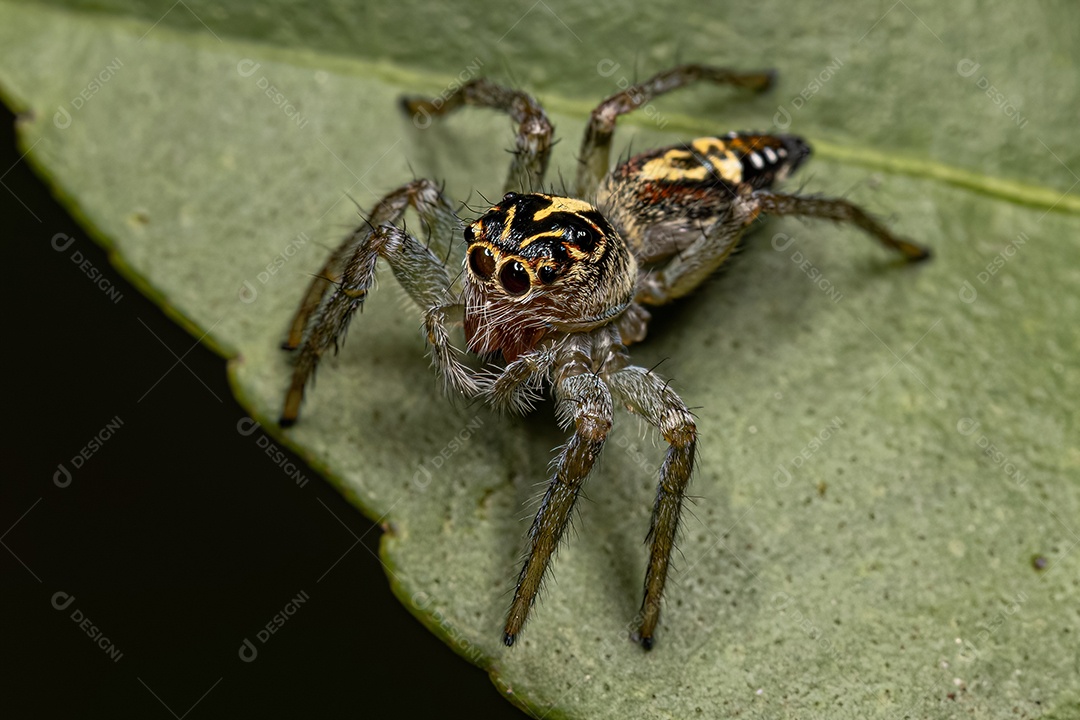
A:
[509,196]
[547,274]
[584,239]
[469,234]
[482,262]
[514,278]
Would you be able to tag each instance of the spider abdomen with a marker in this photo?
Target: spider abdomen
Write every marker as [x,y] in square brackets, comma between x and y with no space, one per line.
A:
[661,200]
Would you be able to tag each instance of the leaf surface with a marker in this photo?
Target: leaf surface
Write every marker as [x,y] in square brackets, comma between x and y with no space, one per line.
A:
[883,449]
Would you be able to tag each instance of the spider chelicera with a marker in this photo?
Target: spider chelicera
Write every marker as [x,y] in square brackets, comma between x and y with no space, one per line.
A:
[554,288]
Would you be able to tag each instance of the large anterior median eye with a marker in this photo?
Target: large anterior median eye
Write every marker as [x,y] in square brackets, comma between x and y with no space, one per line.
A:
[482,262]
[514,278]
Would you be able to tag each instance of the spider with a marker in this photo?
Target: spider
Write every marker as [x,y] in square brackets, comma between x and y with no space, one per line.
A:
[551,289]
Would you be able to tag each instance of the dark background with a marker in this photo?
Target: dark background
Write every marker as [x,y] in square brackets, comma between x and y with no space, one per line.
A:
[179,537]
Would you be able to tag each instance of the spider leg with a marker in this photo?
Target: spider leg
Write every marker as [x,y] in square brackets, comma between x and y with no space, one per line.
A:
[837,209]
[533,142]
[594,158]
[690,268]
[417,269]
[518,386]
[437,216]
[457,376]
[582,397]
[649,396]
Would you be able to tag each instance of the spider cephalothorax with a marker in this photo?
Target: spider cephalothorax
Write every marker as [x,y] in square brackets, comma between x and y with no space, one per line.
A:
[558,287]
[539,264]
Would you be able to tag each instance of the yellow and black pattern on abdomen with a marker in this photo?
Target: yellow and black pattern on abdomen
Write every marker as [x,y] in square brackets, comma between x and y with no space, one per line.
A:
[734,160]
[694,184]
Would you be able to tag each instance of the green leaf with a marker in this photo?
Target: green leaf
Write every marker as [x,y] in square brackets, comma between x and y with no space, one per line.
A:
[883,449]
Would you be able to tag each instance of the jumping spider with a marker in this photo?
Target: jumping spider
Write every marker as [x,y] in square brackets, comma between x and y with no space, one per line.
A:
[558,286]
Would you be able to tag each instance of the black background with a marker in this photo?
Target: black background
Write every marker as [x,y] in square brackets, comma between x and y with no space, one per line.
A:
[179,537]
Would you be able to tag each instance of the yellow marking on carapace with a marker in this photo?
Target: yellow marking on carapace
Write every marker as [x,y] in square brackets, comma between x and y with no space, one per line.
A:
[577,253]
[568,205]
[562,204]
[508,222]
[550,234]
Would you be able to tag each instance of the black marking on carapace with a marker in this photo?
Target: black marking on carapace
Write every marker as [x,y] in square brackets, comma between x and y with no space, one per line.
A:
[534,226]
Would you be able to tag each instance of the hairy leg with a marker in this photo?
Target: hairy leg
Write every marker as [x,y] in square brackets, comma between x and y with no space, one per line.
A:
[533,142]
[458,377]
[519,385]
[440,224]
[594,158]
[419,271]
[584,399]
[689,269]
[649,396]
[837,209]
